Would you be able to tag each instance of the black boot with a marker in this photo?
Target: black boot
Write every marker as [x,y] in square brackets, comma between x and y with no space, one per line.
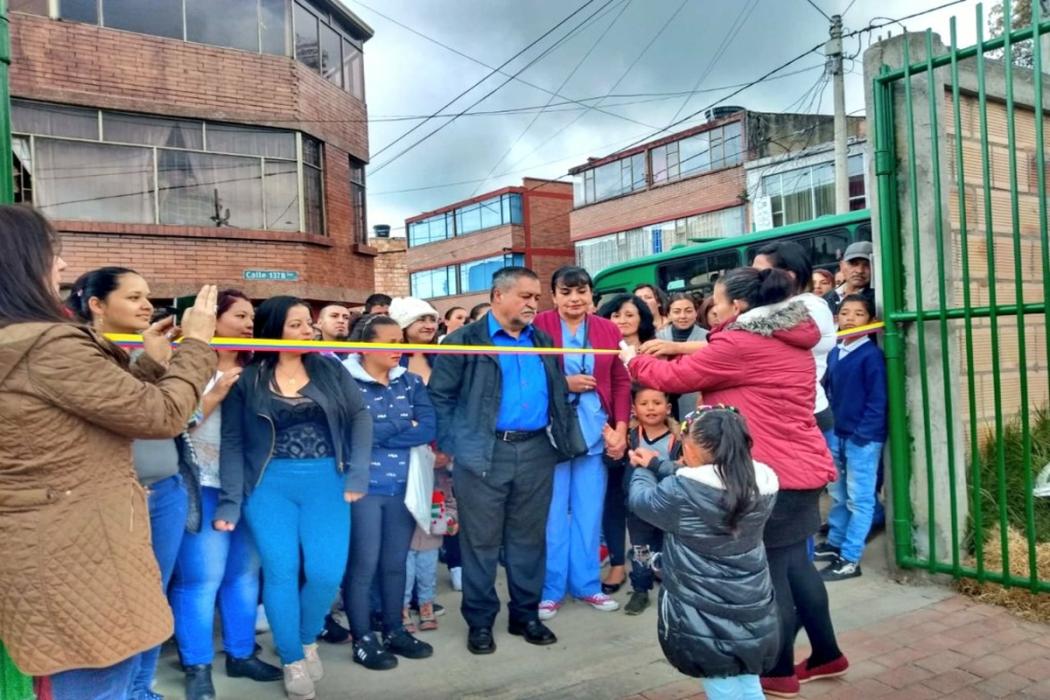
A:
[254,668]
[198,682]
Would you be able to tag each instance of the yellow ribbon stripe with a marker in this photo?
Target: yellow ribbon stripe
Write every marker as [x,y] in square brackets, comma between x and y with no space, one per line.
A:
[130,340]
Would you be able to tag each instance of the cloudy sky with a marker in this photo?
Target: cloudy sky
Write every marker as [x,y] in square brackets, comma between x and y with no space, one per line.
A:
[633,63]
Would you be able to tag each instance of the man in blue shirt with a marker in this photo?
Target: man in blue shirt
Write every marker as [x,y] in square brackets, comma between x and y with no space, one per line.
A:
[505,420]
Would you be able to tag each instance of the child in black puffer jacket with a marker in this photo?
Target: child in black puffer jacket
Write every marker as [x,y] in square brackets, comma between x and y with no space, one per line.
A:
[717,618]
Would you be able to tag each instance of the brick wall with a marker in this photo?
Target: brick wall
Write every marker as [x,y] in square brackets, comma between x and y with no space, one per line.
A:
[548,206]
[1030,274]
[716,190]
[391,266]
[113,69]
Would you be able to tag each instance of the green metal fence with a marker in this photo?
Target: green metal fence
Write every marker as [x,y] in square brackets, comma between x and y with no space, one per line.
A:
[965,269]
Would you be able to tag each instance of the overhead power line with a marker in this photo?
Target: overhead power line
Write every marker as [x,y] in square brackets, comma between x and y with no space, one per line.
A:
[479,62]
[619,80]
[572,73]
[816,7]
[727,40]
[497,88]
[487,76]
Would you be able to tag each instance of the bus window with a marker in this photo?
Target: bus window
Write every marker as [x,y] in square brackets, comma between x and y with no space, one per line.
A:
[697,273]
[825,249]
[863,233]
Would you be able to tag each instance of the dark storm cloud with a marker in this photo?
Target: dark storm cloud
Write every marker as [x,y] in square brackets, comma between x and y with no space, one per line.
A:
[407,75]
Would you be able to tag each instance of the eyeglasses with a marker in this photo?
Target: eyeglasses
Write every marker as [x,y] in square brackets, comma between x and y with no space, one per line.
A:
[693,416]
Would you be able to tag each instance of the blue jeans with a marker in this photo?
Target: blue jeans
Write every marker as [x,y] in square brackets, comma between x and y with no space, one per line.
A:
[110,683]
[299,506]
[421,573]
[168,506]
[574,529]
[733,688]
[853,494]
[214,564]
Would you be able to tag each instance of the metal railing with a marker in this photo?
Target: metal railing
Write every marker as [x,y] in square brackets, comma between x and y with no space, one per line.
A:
[941,323]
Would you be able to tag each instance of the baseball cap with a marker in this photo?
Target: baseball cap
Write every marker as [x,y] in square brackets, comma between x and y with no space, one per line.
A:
[860,249]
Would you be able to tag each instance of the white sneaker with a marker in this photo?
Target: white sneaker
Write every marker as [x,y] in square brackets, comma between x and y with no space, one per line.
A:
[297,683]
[314,667]
[456,575]
[261,623]
[548,609]
[600,601]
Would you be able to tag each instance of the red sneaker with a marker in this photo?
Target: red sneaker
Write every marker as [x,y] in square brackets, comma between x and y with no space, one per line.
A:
[780,686]
[831,669]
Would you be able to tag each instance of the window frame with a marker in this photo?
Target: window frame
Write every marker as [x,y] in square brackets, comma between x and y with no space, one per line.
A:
[205,149]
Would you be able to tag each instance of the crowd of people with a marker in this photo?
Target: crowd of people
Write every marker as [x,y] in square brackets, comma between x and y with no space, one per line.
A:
[676,442]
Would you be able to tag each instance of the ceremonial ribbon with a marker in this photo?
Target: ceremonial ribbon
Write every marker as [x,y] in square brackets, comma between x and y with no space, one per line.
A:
[132,341]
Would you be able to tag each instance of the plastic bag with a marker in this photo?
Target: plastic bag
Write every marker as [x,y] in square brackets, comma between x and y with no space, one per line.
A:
[420,487]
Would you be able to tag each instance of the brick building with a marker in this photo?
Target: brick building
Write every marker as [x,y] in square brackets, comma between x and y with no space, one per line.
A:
[454,250]
[687,186]
[202,141]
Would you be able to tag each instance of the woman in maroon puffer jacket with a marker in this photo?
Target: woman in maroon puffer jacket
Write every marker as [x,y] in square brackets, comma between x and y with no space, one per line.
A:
[759,360]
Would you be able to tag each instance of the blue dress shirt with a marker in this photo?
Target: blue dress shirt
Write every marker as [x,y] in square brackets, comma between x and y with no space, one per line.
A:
[524,400]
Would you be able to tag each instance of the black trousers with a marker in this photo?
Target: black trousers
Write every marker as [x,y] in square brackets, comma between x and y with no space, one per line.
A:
[507,506]
[380,534]
[614,514]
[801,598]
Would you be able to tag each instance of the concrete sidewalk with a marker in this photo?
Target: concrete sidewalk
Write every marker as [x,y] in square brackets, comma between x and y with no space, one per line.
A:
[904,641]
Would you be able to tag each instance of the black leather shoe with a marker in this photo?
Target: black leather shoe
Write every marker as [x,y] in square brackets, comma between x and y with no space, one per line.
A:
[534,631]
[480,641]
[198,682]
[253,667]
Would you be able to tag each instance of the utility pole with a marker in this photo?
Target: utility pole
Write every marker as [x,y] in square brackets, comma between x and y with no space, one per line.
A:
[833,51]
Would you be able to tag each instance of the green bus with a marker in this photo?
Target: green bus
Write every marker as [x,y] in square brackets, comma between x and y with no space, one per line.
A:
[696,268]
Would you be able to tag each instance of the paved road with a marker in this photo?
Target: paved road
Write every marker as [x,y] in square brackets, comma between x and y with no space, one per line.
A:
[598,655]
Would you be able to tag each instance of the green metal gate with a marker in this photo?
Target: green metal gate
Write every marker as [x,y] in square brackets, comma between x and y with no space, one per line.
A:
[965,270]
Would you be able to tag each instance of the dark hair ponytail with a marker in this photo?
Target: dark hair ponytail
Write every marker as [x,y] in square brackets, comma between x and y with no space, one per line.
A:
[758,287]
[99,284]
[723,433]
[364,330]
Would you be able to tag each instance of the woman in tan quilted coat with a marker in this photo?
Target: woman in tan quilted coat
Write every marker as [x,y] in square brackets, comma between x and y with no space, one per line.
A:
[80,592]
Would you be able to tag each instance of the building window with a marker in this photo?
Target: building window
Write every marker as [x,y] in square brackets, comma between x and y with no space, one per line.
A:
[180,172]
[700,153]
[93,181]
[440,282]
[353,70]
[221,23]
[313,185]
[31,7]
[596,254]
[495,211]
[162,18]
[357,200]
[273,27]
[325,47]
[476,276]
[465,278]
[321,41]
[307,39]
[610,180]
[807,193]
[857,192]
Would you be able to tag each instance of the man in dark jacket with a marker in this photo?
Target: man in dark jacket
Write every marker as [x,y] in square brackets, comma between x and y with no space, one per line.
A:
[506,421]
[855,267]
